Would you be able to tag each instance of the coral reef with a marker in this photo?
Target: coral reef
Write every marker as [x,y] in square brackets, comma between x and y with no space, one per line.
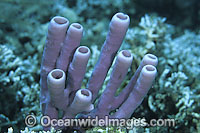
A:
[176,90]
[19,86]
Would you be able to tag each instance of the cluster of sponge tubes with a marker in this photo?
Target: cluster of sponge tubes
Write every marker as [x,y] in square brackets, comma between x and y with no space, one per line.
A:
[64,65]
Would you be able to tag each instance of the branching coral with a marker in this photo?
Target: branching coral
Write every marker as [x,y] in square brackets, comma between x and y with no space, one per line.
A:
[15,78]
[176,90]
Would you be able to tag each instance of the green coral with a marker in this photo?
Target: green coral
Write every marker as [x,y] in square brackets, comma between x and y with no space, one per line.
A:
[176,90]
[107,130]
[18,82]
[10,130]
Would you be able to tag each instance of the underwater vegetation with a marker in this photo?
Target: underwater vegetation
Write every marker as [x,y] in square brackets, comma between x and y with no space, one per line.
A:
[172,35]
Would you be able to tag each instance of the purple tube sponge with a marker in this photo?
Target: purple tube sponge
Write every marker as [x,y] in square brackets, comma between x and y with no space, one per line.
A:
[117,31]
[64,65]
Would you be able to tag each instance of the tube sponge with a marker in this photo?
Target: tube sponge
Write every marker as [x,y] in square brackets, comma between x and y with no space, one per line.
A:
[56,85]
[71,42]
[56,34]
[117,31]
[64,65]
[82,102]
[144,82]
